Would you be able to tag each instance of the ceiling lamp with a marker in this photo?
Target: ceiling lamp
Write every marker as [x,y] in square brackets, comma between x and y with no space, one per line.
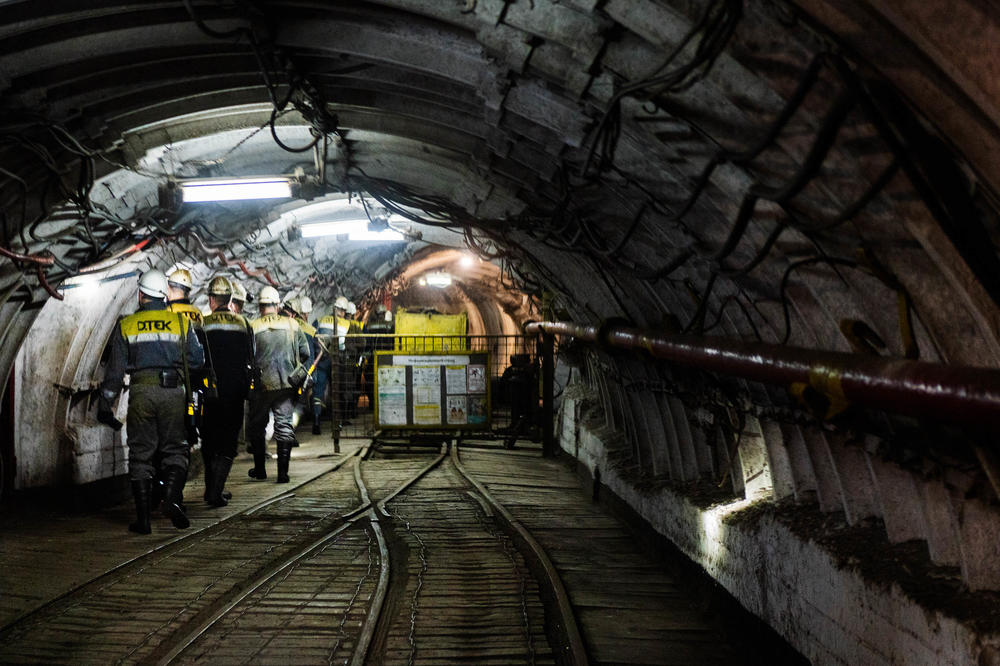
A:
[235,189]
[439,280]
[194,190]
[335,228]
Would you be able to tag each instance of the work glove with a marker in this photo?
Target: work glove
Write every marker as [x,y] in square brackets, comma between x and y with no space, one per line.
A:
[107,417]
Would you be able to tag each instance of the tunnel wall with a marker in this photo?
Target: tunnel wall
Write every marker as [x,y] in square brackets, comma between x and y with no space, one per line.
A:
[57,371]
[789,561]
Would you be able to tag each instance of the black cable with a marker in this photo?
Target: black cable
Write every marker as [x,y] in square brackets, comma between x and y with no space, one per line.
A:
[833,261]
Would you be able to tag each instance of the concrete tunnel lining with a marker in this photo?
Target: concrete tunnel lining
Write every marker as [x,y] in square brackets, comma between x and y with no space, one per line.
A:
[494,110]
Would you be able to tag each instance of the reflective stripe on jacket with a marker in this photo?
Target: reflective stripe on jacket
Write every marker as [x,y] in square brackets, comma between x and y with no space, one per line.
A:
[230,342]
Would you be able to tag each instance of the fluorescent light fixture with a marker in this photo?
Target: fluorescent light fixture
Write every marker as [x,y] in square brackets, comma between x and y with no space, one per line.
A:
[334,228]
[439,280]
[386,235]
[235,189]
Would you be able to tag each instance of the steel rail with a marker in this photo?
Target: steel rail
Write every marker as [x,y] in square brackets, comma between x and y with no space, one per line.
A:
[958,394]
[382,587]
[576,653]
[187,534]
[365,510]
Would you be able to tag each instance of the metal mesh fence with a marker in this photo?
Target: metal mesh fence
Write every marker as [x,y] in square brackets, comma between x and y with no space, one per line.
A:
[346,390]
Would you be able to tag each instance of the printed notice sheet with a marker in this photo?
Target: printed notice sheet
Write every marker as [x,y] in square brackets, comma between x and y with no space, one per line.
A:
[392,395]
[429,376]
[427,395]
[454,379]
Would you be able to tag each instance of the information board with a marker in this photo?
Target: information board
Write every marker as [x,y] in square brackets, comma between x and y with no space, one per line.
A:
[432,390]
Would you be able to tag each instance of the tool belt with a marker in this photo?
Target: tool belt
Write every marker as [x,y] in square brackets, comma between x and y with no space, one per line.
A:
[162,378]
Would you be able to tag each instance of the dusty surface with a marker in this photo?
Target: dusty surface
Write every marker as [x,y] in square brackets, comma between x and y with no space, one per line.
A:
[48,550]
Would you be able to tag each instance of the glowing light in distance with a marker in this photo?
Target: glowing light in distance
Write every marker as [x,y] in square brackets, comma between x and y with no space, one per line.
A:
[334,228]
[236,189]
[439,280]
[466,261]
[387,235]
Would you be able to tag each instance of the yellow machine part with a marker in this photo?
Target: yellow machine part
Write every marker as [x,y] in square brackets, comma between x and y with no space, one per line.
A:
[420,325]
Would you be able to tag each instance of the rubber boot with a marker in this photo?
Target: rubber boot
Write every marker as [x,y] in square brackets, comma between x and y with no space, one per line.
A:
[220,472]
[284,455]
[174,478]
[317,409]
[258,471]
[140,493]
[207,461]
[156,489]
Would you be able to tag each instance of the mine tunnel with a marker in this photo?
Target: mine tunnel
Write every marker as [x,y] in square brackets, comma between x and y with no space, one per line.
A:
[729,266]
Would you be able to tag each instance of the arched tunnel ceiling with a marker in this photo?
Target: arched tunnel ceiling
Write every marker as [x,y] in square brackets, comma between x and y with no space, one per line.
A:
[756,169]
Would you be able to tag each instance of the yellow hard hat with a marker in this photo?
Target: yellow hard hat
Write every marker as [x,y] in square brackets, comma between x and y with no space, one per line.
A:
[181,278]
[220,286]
[268,296]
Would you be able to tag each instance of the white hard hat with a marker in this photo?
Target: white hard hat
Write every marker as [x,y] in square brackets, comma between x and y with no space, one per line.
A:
[268,296]
[239,292]
[340,303]
[181,277]
[388,315]
[292,304]
[352,308]
[153,283]
[305,305]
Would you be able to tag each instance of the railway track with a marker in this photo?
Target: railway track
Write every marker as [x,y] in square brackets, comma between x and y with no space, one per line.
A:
[391,559]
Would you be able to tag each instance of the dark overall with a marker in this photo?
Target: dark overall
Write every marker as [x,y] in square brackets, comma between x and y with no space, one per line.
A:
[230,344]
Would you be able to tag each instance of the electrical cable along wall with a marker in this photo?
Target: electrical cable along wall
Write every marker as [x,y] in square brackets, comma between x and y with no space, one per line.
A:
[791,173]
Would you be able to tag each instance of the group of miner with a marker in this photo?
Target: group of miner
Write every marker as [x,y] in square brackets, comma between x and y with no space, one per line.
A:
[190,376]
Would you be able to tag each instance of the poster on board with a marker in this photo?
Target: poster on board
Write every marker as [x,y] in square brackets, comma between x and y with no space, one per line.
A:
[476,412]
[457,410]
[476,378]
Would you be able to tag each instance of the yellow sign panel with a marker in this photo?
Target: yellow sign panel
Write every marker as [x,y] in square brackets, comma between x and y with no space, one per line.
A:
[411,327]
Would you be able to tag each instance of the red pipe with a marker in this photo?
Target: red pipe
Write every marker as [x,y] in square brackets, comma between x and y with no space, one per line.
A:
[959,394]
[45,284]
[36,258]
